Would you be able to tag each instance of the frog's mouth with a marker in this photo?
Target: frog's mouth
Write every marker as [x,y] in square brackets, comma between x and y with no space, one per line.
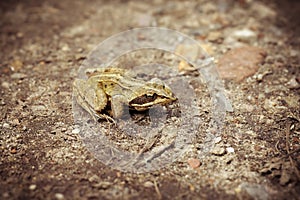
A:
[145,101]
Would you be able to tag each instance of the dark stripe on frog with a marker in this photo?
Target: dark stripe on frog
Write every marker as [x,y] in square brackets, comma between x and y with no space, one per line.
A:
[143,99]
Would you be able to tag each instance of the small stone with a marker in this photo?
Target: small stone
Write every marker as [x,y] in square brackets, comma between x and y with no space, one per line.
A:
[59,196]
[217,140]
[18,76]
[5,195]
[32,187]
[65,48]
[102,185]
[239,63]
[214,36]
[294,53]
[269,105]
[293,83]
[5,85]
[6,125]
[218,151]
[183,66]
[148,184]
[36,108]
[244,34]
[16,65]
[194,163]
[20,35]
[230,150]
[15,122]
[80,50]
[292,101]
[63,129]
[76,131]
[13,150]
[94,178]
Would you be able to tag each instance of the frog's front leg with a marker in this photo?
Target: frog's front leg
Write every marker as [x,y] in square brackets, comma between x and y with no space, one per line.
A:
[119,106]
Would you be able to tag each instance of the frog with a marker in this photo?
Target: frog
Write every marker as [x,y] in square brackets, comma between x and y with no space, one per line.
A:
[116,89]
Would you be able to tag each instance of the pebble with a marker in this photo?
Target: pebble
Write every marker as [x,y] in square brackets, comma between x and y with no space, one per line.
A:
[36,108]
[15,122]
[32,187]
[269,104]
[6,125]
[294,53]
[59,196]
[292,101]
[214,36]
[65,48]
[148,184]
[94,178]
[194,163]
[16,65]
[244,34]
[217,140]
[254,191]
[5,85]
[13,150]
[293,83]
[218,151]
[230,150]
[102,185]
[184,66]
[20,35]
[239,63]
[76,131]
[18,76]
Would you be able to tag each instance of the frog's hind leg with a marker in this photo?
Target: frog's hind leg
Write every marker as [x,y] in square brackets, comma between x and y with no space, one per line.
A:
[91,98]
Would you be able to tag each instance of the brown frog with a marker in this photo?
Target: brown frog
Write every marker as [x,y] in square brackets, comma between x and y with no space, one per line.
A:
[114,87]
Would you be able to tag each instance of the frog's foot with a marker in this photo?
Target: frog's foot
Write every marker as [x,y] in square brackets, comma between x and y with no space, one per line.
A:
[99,116]
[119,107]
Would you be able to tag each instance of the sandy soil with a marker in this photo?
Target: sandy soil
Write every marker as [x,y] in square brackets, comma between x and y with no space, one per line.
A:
[43,43]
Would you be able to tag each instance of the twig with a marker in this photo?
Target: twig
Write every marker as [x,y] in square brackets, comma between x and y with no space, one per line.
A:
[276,146]
[287,136]
[157,190]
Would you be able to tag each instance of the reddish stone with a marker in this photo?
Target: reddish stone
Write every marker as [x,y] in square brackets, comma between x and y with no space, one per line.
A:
[194,163]
[239,63]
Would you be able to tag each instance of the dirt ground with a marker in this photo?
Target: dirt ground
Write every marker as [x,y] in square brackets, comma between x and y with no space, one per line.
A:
[43,43]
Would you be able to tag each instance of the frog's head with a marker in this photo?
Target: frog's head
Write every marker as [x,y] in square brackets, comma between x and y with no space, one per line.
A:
[153,92]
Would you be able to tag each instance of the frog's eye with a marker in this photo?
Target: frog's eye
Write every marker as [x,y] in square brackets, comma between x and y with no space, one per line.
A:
[154,96]
[163,86]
